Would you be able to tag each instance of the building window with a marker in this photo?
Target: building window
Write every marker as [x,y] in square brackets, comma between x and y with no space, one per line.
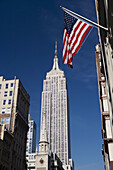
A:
[3,110]
[31,123]
[7,120]
[9,101]
[11,85]
[5,94]
[0,86]
[6,86]
[4,102]
[2,120]
[9,110]
[10,93]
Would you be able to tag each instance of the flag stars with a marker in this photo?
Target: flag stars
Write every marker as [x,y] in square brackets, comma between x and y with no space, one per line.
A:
[69,21]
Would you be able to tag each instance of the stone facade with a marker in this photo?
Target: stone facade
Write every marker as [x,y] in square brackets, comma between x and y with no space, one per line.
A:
[45,159]
[104,60]
[14,109]
[31,160]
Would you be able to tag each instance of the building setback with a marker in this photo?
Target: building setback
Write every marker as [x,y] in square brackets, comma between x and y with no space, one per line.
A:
[56,107]
[104,61]
[14,109]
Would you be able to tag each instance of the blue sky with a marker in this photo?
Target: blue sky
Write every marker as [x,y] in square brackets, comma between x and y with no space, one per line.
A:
[28,31]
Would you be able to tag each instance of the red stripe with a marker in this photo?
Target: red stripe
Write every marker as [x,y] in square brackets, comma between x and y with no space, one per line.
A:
[81,40]
[70,60]
[70,65]
[69,51]
[80,43]
[65,54]
[76,28]
[64,38]
[66,50]
[64,41]
[78,35]
[64,57]
[67,43]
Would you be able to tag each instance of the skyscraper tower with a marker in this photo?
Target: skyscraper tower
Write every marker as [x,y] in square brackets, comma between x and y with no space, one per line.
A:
[55,106]
[31,137]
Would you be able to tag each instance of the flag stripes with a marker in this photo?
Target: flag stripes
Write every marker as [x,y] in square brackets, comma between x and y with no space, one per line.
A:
[75,31]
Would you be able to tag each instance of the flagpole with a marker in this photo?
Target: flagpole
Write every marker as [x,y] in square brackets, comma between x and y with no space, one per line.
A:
[97,25]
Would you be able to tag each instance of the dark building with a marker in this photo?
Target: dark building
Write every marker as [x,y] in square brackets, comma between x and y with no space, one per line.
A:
[104,60]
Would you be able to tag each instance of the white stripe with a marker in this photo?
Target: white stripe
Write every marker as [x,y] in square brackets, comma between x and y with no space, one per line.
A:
[64,49]
[65,62]
[70,56]
[74,27]
[77,32]
[64,34]
[66,59]
[76,45]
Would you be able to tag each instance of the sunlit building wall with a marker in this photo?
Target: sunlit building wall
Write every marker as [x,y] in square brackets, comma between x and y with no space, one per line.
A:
[55,106]
[104,58]
[14,110]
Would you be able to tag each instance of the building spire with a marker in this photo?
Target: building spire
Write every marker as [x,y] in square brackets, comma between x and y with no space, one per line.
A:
[56,49]
[43,136]
[55,64]
[43,143]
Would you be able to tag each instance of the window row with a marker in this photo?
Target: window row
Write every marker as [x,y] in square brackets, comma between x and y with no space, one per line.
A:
[7,85]
[6,102]
[6,110]
[6,93]
[5,120]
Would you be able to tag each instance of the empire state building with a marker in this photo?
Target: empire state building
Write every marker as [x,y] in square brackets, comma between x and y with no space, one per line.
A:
[55,107]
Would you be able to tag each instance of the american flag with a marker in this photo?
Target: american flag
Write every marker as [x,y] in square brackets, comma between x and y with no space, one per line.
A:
[75,31]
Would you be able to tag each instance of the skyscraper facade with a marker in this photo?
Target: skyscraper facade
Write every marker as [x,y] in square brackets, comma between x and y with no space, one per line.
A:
[31,137]
[55,106]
